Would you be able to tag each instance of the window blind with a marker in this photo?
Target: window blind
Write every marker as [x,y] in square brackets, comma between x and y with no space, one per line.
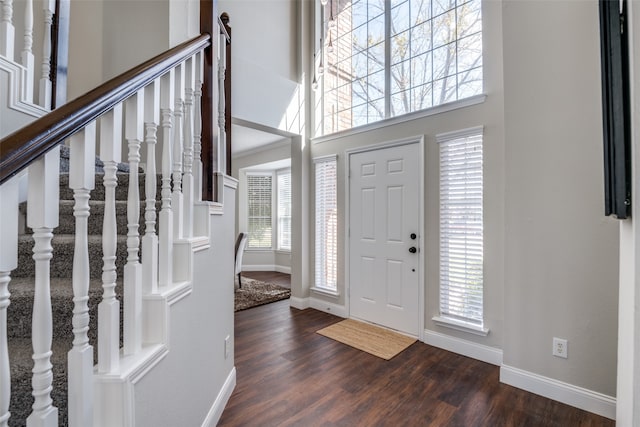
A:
[284,210]
[326,224]
[259,211]
[461,227]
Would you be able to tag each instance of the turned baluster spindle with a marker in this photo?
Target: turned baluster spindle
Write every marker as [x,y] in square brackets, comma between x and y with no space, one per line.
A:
[222,140]
[27,57]
[134,134]
[8,262]
[42,217]
[197,129]
[109,307]
[165,219]
[177,196]
[7,30]
[150,238]
[46,94]
[80,359]
[187,188]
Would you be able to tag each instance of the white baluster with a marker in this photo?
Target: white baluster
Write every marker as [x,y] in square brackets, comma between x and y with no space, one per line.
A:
[134,134]
[150,239]
[8,262]
[197,129]
[42,217]
[27,51]
[177,198]
[222,139]
[109,307]
[80,360]
[45,80]
[165,241]
[7,30]
[187,188]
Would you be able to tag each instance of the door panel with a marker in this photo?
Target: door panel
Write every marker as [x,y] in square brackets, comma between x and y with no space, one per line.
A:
[384,211]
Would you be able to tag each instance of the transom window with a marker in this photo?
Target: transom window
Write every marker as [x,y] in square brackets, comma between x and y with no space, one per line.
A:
[385,58]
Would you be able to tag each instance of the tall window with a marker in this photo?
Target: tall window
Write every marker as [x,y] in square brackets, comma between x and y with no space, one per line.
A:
[385,58]
[259,211]
[284,210]
[326,257]
[461,230]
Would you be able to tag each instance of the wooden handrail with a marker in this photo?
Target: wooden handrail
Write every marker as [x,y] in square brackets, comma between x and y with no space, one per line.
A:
[29,143]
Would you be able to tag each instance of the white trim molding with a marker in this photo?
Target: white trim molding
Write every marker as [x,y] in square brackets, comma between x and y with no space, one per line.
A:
[470,349]
[215,412]
[299,303]
[569,394]
[459,325]
[267,267]
[328,307]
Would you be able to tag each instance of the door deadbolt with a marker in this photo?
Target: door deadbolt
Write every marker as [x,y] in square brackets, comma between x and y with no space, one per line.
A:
[413,236]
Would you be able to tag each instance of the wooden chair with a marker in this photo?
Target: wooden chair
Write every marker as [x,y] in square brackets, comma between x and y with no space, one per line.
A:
[241,241]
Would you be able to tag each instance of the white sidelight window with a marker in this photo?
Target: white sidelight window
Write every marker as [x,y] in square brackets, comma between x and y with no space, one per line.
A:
[461,228]
[326,223]
[284,210]
[259,220]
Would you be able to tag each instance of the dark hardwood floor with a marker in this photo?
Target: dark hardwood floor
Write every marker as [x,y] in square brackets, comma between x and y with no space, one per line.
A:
[287,375]
[281,279]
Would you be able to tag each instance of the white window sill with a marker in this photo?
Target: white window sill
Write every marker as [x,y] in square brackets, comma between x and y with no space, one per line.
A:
[438,109]
[326,292]
[460,325]
[283,251]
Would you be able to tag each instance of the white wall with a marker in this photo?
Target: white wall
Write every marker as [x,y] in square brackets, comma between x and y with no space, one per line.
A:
[561,252]
[108,37]
[264,58]
[182,388]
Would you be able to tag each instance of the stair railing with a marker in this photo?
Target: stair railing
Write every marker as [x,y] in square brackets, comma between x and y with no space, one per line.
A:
[164,93]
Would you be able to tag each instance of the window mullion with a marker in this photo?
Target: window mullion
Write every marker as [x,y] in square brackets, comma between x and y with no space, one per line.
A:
[387,58]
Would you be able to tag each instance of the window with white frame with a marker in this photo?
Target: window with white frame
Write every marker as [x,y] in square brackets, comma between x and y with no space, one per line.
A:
[461,226]
[259,220]
[385,58]
[284,210]
[326,223]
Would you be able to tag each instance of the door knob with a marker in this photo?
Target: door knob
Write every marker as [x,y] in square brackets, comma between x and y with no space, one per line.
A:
[413,249]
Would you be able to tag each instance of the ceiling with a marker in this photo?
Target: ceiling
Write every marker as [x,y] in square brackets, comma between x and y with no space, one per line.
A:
[246,138]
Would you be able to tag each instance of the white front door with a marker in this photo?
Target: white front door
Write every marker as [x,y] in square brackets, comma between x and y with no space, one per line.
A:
[384,222]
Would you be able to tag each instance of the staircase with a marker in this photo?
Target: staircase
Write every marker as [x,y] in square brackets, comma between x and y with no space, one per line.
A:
[104,294]
[22,288]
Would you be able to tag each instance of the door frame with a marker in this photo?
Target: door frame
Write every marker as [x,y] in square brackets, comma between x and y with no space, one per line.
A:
[418,139]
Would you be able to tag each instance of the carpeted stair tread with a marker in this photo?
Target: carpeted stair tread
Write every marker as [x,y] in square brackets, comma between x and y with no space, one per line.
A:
[20,351]
[20,309]
[67,222]
[63,250]
[98,192]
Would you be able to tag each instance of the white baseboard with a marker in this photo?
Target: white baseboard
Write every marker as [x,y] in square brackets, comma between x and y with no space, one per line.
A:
[299,303]
[466,348]
[569,394]
[267,267]
[328,307]
[221,400]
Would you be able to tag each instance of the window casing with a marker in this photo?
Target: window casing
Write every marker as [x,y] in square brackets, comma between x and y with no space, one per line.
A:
[326,224]
[259,206]
[461,226]
[385,58]
[284,210]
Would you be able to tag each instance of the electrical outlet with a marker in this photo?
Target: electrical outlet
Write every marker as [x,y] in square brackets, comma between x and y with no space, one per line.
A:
[227,347]
[560,347]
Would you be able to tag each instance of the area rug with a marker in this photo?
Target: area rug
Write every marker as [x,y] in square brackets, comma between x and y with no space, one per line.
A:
[374,340]
[255,292]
